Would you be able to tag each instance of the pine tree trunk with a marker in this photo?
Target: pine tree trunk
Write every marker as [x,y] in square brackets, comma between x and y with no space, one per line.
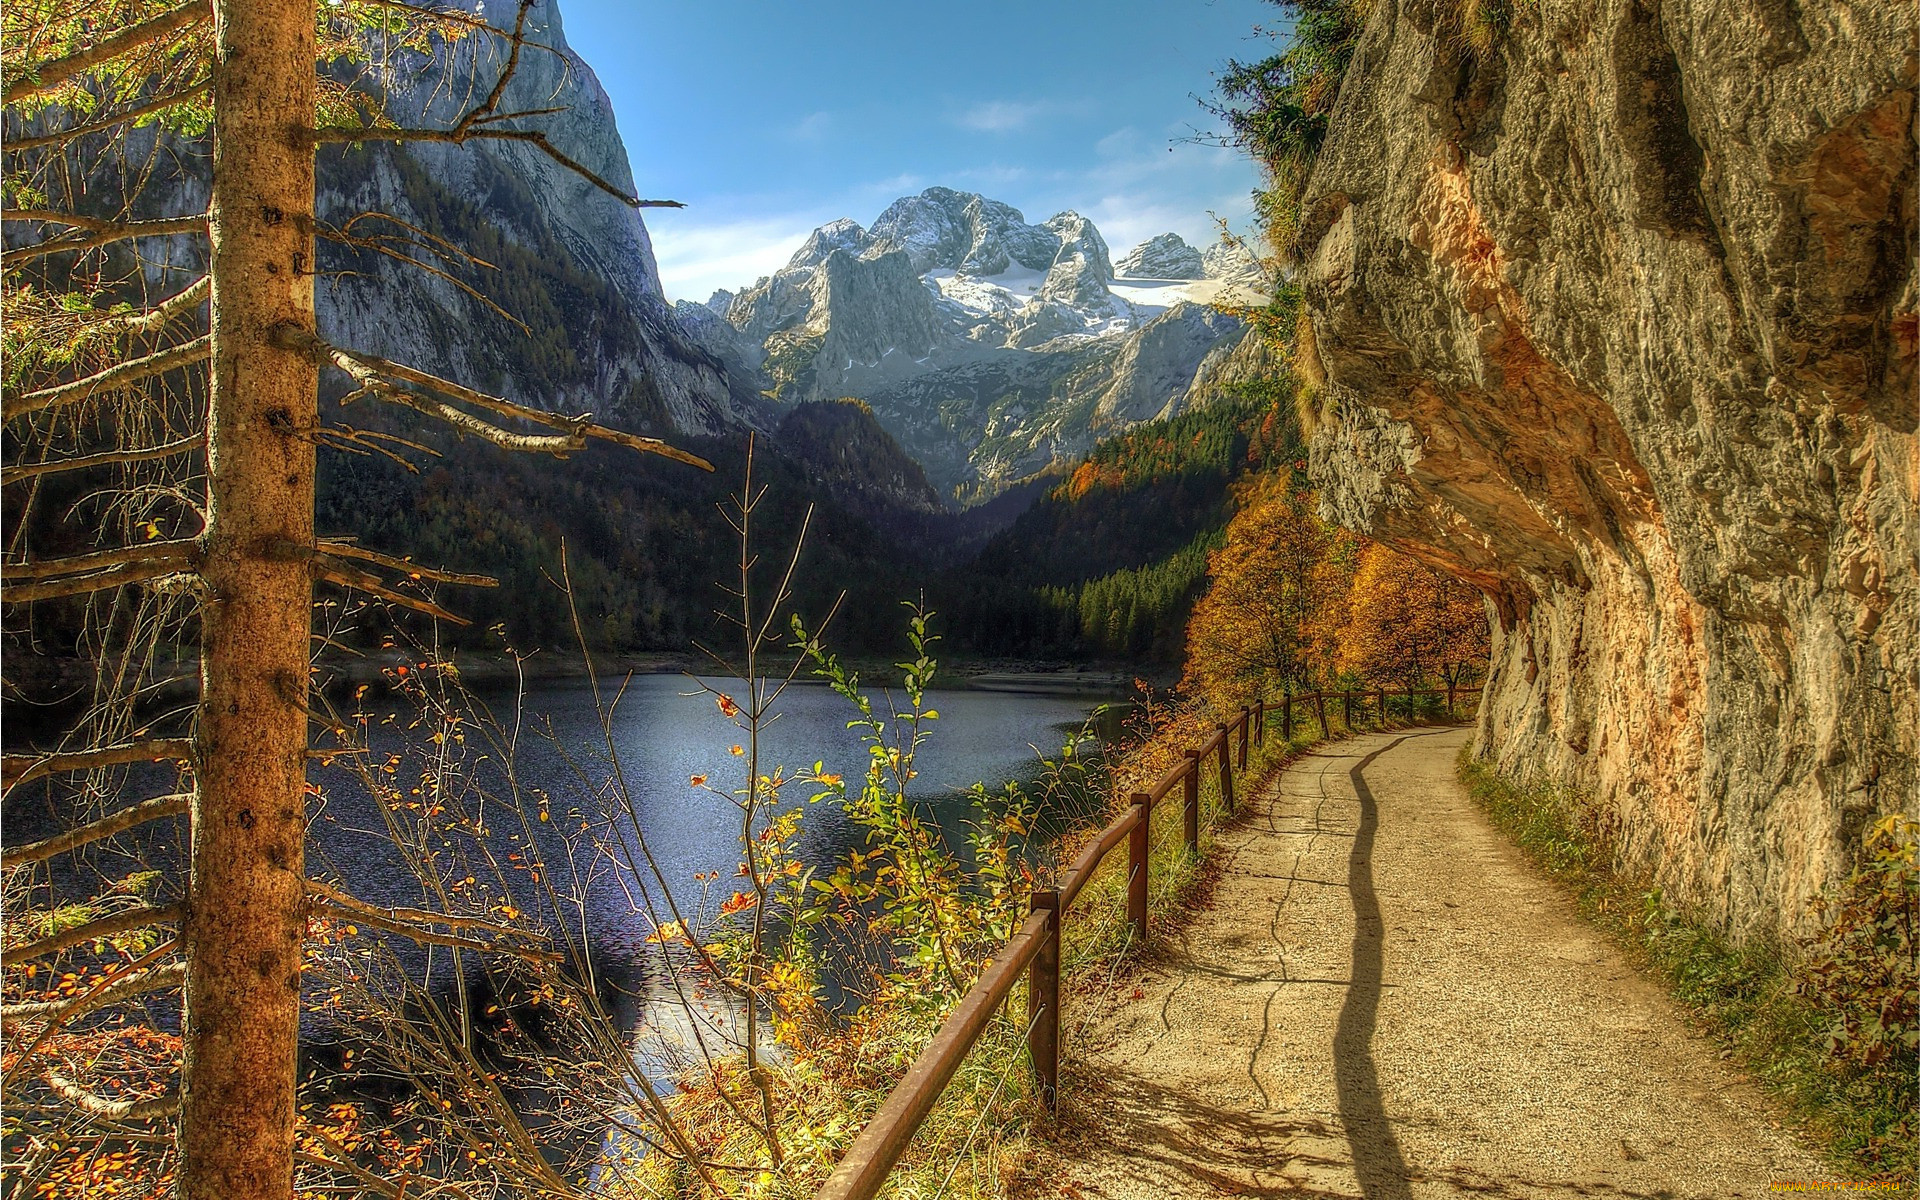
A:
[247,892]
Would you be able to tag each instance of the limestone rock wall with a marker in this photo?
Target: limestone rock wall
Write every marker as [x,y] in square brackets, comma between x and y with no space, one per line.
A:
[1618,324]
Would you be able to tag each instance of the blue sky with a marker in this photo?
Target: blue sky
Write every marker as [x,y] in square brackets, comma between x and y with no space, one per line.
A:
[770,118]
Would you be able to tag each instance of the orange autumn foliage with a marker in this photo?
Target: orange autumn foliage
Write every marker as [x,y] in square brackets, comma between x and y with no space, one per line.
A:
[1263,624]
[1293,604]
[1406,625]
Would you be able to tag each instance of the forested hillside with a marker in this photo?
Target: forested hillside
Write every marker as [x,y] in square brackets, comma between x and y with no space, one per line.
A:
[1110,559]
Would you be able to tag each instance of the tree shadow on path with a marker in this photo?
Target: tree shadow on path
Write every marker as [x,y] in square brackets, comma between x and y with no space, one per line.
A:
[1377,1161]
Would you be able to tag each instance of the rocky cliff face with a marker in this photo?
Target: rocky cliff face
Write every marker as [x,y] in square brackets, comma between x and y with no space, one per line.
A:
[1618,323]
[572,262]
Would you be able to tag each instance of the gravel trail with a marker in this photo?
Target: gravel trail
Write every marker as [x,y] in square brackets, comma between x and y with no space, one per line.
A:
[1382,1000]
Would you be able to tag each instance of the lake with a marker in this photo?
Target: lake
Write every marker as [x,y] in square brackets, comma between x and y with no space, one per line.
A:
[665,732]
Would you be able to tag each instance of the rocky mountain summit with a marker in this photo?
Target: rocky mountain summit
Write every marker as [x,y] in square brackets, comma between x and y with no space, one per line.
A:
[1165,257]
[949,296]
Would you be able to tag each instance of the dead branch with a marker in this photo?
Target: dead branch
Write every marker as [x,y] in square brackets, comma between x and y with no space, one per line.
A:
[157,104]
[171,554]
[55,72]
[367,1179]
[370,915]
[143,983]
[346,438]
[16,769]
[105,458]
[339,573]
[98,929]
[160,316]
[116,376]
[103,233]
[160,574]
[345,549]
[378,375]
[105,827]
[112,1110]
[476,124]
[419,915]
[458,136]
[379,244]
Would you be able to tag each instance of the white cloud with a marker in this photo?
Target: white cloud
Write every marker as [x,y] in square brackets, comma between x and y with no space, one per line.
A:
[696,257]
[813,127]
[1000,116]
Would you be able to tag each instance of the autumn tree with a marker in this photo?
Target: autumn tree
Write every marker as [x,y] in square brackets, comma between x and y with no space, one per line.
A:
[1261,625]
[163,376]
[1407,625]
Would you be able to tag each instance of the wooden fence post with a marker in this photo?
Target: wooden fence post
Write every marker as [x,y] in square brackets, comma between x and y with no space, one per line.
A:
[1381,703]
[1192,787]
[1246,728]
[1260,723]
[1043,1004]
[1320,705]
[1137,867]
[1449,699]
[1346,701]
[1226,774]
[1286,716]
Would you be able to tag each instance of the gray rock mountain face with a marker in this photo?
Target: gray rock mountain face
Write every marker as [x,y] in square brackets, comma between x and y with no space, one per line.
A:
[575,263]
[1001,415]
[1619,326]
[1231,262]
[1081,271]
[983,380]
[868,321]
[1165,257]
[961,231]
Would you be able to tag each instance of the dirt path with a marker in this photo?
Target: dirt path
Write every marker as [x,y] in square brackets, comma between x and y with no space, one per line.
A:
[1384,1001]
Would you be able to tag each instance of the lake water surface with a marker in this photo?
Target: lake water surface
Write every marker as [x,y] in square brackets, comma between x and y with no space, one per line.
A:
[664,733]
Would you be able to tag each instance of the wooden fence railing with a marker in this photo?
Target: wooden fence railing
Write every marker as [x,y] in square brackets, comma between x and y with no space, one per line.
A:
[1035,948]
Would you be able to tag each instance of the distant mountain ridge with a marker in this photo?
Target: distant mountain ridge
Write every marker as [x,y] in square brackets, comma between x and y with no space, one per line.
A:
[988,346]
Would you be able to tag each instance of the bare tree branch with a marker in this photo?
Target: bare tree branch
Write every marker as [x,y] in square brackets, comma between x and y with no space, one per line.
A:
[105,458]
[98,929]
[116,376]
[458,136]
[171,555]
[345,549]
[142,983]
[359,910]
[379,374]
[157,104]
[93,581]
[101,233]
[161,315]
[107,826]
[17,769]
[341,574]
[419,916]
[49,75]
[112,1110]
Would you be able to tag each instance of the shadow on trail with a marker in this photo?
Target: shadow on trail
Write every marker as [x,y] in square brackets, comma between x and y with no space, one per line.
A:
[1377,1160]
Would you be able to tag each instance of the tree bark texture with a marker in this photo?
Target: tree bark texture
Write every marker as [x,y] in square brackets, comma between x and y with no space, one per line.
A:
[247,895]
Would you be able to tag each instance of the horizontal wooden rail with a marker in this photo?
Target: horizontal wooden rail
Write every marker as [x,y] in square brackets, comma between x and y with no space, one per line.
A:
[1088,861]
[863,1171]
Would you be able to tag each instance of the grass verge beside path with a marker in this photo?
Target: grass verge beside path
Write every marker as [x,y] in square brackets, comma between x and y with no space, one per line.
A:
[1744,997]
